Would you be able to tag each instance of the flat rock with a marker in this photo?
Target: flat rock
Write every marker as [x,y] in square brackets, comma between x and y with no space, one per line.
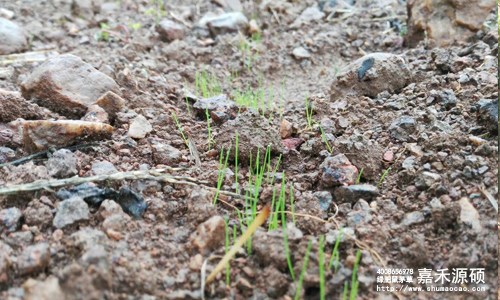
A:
[139,127]
[13,106]
[254,135]
[62,164]
[426,179]
[337,170]
[371,75]
[41,135]
[71,211]
[170,30]
[67,85]
[444,28]
[103,168]
[34,258]
[13,37]
[353,193]
[301,53]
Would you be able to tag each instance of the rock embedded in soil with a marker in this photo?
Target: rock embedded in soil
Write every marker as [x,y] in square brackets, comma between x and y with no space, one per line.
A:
[469,215]
[324,199]
[353,193]
[14,39]
[86,238]
[49,289]
[62,164]
[71,211]
[34,258]
[6,154]
[488,114]
[254,135]
[337,170]
[371,75]
[97,114]
[13,106]
[102,168]
[446,217]
[38,214]
[170,30]
[209,235]
[165,154]
[67,85]
[307,16]
[402,128]
[412,218]
[231,22]
[426,179]
[111,103]
[10,219]
[444,28]
[220,108]
[41,135]
[139,128]
[362,152]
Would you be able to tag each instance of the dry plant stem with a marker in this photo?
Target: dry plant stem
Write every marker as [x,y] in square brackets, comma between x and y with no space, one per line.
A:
[259,220]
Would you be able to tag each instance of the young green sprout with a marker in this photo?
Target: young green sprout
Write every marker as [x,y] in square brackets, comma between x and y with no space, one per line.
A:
[236,164]
[354,282]
[282,95]
[221,172]
[383,176]
[321,262]
[208,124]
[228,274]
[335,254]
[291,203]
[324,137]
[359,176]
[285,237]
[187,101]
[180,129]
[304,268]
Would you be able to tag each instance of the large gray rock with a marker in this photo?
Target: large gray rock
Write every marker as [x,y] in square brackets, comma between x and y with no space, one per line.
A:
[13,39]
[71,211]
[353,193]
[402,127]
[67,85]
[371,75]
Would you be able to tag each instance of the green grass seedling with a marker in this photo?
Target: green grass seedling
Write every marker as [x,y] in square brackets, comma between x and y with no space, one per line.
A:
[321,262]
[304,269]
[335,254]
[180,129]
[383,176]
[228,274]
[359,176]
[354,282]
[222,171]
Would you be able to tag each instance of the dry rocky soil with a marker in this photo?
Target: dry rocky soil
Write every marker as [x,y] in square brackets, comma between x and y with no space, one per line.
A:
[381,120]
